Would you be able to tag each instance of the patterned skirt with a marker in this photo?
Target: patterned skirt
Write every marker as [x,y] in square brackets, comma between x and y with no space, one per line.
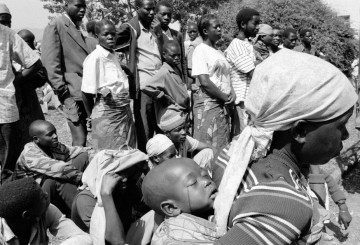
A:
[112,123]
[211,121]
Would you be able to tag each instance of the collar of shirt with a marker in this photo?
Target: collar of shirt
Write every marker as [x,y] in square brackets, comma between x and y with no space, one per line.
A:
[103,51]
[167,33]
[9,235]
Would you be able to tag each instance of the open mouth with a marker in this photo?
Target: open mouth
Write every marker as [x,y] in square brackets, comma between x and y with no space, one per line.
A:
[213,193]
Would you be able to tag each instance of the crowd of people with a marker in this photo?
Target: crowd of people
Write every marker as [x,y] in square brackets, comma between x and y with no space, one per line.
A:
[189,144]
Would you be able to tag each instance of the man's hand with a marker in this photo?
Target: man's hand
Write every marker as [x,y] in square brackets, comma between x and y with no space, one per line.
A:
[156,26]
[71,109]
[231,98]
[109,181]
[344,216]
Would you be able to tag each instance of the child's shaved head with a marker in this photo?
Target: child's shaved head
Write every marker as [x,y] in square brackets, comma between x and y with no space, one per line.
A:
[177,186]
[38,126]
[172,53]
[102,23]
[169,45]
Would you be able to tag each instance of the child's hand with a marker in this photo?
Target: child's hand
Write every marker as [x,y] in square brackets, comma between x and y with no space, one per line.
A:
[344,216]
[109,181]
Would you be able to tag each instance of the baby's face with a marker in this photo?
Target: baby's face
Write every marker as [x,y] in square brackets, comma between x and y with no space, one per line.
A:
[194,190]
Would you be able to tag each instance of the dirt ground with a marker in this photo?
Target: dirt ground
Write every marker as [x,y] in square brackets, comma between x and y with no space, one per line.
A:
[345,169]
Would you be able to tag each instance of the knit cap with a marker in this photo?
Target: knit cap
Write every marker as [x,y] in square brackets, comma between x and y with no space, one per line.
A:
[264,29]
[171,119]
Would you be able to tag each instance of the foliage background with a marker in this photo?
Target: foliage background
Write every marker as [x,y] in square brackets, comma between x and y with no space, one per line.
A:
[331,33]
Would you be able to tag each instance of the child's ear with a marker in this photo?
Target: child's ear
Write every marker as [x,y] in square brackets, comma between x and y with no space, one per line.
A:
[299,131]
[170,208]
[36,139]
[243,25]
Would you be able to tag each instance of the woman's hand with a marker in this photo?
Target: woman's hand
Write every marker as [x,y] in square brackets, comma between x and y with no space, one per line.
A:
[109,181]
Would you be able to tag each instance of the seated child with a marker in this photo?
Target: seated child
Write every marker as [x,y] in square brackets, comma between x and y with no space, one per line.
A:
[174,125]
[167,86]
[182,192]
[56,167]
[26,214]
[159,149]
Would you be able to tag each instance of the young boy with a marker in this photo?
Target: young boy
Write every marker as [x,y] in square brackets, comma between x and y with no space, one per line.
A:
[56,167]
[289,38]
[240,54]
[166,86]
[183,193]
[190,46]
[305,46]
[174,125]
[263,42]
[26,214]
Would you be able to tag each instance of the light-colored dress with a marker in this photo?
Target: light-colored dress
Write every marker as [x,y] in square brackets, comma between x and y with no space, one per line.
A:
[111,118]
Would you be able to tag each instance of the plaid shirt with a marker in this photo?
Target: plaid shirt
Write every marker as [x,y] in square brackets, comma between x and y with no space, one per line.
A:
[34,162]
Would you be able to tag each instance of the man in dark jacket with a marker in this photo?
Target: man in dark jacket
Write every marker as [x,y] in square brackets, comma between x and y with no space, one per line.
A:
[63,52]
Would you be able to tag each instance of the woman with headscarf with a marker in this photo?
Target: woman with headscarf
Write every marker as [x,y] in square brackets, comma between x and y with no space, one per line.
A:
[297,118]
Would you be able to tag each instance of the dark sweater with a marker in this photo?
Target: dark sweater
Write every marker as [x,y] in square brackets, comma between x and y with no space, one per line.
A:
[273,205]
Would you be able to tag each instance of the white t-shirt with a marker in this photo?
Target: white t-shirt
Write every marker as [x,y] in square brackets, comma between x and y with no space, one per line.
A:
[212,62]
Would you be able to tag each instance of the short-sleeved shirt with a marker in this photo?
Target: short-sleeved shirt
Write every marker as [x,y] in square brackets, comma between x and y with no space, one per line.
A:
[147,54]
[190,144]
[103,74]
[53,220]
[240,54]
[12,48]
[209,61]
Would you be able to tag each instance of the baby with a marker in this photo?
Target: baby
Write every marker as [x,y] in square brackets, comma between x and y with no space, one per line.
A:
[184,194]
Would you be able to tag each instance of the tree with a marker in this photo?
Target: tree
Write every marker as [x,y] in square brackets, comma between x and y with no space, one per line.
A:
[116,9]
[331,33]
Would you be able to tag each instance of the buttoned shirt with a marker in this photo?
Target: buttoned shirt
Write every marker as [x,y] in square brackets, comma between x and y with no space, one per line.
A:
[148,55]
[57,224]
[12,48]
[103,74]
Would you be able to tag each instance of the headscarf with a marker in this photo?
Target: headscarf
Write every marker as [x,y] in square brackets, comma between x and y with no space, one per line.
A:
[157,145]
[106,161]
[286,87]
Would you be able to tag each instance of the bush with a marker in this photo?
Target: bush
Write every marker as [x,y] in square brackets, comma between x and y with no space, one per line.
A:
[331,33]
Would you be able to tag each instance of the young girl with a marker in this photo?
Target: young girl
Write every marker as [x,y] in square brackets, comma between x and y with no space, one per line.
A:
[211,119]
[105,90]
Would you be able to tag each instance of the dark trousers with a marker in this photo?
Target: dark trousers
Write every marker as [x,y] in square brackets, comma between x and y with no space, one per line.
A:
[145,120]
[62,194]
[7,146]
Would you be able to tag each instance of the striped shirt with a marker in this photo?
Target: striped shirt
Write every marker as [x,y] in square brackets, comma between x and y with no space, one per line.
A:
[240,54]
[272,205]
[34,162]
